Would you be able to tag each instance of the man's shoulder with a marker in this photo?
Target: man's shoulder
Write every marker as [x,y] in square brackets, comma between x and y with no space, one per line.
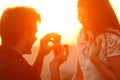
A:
[9,58]
[9,55]
[11,63]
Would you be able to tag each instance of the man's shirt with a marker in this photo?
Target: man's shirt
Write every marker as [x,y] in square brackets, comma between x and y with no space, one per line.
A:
[14,67]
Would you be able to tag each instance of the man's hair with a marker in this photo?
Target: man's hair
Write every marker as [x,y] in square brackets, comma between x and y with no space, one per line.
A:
[15,21]
[99,12]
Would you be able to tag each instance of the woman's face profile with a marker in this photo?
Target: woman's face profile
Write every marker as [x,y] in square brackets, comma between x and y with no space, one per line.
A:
[82,15]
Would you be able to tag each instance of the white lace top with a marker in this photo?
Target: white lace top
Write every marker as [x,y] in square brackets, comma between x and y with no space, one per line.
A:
[110,46]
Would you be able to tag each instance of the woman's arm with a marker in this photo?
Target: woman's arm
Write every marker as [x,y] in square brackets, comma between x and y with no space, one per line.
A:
[60,58]
[101,67]
[78,73]
[113,50]
[115,65]
[55,71]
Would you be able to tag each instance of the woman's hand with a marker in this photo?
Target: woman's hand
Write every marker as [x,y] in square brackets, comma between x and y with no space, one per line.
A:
[61,53]
[94,49]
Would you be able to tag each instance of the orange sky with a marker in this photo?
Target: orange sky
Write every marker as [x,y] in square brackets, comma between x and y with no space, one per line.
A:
[57,16]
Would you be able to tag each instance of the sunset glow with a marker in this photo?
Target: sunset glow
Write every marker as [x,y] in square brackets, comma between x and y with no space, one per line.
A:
[57,16]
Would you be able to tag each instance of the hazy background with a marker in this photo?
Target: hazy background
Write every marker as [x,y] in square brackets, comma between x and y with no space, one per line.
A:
[57,16]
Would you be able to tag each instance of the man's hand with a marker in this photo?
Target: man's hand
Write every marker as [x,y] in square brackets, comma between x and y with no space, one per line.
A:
[44,48]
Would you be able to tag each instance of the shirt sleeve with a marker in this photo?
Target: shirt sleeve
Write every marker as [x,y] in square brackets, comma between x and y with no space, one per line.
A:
[112,44]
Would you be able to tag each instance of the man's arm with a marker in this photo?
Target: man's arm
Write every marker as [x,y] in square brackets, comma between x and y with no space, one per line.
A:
[38,63]
[44,49]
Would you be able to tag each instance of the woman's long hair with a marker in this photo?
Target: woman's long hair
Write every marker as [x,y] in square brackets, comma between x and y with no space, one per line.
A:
[100,14]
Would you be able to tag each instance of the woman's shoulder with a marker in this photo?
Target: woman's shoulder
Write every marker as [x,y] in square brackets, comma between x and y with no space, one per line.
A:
[113,31]
[112,35]
[113,41]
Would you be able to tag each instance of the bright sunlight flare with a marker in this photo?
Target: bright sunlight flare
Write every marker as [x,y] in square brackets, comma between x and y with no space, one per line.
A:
[57,16]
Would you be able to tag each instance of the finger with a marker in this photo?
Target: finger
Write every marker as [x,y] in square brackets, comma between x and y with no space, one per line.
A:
[50,35]
[56,49]
[56,46]
[90,38]
[63,54]
[99,43]
[62,51]
[65,51]
[54,33]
